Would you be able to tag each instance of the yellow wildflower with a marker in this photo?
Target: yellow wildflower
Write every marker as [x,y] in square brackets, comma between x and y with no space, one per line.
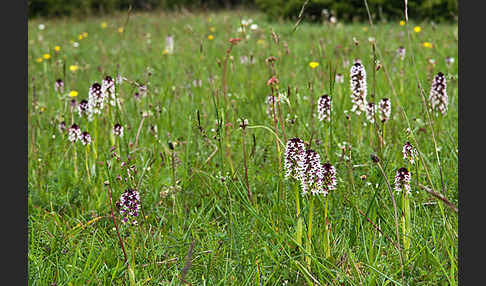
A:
[73,68]
[427,45]
[46,56]
[80,37]
[402,23]
[212,29]
[313,65]
[39,60]
[120,30]
[417,29]
[57,48]
[103,25]
[85,34]
[165,52]
[210,37]
[73,93]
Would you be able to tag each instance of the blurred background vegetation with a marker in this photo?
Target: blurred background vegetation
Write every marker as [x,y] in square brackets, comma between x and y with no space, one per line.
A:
[315,10]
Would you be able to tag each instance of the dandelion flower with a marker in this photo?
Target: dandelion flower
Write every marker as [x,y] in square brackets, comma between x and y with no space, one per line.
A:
[129,206]
[384,107]
[427,45]
[324,108]
[73,68]
[402,23]
[409,152]
[80,37]
[212,29]
[46,56]
[438,95]
[120,30]
[73,93]
[57,48]
[402,180]
[39,60]
[294,155]
[210,37]
[103,25]
[85,34]
[313,65]
[417,29]
[358,87]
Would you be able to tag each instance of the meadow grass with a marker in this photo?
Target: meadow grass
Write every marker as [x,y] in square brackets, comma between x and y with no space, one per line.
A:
[199,225]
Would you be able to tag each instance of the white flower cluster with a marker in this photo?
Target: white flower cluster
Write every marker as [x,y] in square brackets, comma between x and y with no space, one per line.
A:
[358,87]
[324,108]
[438,95]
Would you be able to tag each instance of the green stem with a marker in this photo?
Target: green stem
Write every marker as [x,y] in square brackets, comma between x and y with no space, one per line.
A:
[326,232]
[298,232]
[309,233]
